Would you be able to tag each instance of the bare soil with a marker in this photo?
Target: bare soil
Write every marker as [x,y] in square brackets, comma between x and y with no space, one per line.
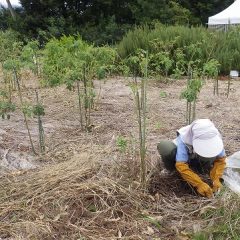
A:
[113,117]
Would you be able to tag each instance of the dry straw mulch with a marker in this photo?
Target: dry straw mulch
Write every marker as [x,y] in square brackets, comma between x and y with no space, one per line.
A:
[84,198]
[69,200]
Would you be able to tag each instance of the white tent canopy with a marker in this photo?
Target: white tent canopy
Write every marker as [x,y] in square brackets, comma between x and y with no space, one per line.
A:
[230,15]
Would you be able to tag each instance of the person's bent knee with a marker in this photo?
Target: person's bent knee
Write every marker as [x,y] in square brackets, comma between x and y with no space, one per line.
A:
[167,150]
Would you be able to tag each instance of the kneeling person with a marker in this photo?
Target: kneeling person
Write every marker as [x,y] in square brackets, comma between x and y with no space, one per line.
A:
[197,148]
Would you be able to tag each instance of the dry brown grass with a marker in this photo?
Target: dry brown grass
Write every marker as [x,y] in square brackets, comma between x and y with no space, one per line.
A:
[78,196]
[85,198]
[69,200]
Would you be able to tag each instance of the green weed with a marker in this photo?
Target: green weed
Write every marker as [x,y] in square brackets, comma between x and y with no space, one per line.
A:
[122,143]
[163,94]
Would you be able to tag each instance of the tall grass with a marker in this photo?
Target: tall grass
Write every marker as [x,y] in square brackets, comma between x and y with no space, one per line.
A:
[224,47]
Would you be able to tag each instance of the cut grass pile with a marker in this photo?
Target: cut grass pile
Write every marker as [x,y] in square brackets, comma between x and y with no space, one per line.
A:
[70,200]
[85,198]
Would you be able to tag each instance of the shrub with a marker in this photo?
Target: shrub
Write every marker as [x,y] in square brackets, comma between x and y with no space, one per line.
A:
[60,57]
[224,47]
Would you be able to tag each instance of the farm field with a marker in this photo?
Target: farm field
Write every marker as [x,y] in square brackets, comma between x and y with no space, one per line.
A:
[88,90]
[55,202]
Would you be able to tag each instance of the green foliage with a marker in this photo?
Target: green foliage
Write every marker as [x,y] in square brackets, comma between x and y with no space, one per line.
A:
[163,94]
[3,94]
[57,58]
[161,61]
[180,15]
[100,21]
[71,60]
[8,45]
[107,31]
[228,50]
[72,76]
[5,108]
[38,110]
[64,61]
[136,63]
[12,64]
[199,236]
[211,68]
[173,48]
[103,22]
[180,63]
[194,85]
[133,63]
[225,224]
[105,58]
[101,73]
[152,220]
[121,143]
[30,56]
[158,125]
[10,57]
[27,109]
[193,88]
[201,10]
[168,12]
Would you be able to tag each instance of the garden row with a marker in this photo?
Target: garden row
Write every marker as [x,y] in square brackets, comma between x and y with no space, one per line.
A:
[145,53]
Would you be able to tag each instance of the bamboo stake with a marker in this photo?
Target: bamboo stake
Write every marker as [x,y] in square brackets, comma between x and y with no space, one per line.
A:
[40,128]
[24,114]
[194,110]
[80,105]
[85,96]
[144,97]
[229,83]
[138,105]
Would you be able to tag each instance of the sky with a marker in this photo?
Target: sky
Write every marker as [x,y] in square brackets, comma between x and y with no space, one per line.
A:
[14,2]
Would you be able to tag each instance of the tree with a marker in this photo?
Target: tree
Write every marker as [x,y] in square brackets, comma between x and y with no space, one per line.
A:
[106,21]
[11,9]
[201,10]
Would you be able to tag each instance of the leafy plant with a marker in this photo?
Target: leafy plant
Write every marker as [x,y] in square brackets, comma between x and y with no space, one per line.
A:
[158,125]
[72,61]
[152,220]
[30,56]
[194,86]
[180,63]
[121,144]
[8,45]
[14,66]
[211,69]
[163,94]
[181,42]
[6,108]
[38,111]
[226,222]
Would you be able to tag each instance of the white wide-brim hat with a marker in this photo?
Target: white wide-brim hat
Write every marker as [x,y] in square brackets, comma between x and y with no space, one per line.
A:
[207,141]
